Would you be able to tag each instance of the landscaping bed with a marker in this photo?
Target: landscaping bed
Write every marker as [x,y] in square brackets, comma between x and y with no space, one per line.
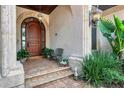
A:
[104,69]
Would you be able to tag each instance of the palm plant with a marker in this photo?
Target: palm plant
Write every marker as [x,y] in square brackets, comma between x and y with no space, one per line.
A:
[114,33]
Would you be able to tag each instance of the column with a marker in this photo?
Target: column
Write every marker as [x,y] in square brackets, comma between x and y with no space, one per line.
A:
[12,73]
[86,32]
[0,46]
[4,40]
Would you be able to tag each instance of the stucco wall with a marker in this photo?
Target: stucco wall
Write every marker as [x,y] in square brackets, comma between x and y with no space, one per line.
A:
[21,14]
[66,29]
[117,10]
[102,42]
[0,46]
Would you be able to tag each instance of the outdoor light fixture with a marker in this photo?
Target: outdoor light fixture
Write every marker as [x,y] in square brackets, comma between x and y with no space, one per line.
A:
[96,16]
[95,13]
[40,17]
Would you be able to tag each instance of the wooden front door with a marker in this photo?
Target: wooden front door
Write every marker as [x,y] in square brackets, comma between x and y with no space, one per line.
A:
[33,38]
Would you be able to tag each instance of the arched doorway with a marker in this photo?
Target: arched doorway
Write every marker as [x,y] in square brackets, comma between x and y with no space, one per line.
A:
[33,36]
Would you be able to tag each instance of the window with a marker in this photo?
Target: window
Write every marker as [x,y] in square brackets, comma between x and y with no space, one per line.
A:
[94,37]
[43,39]
[23,33]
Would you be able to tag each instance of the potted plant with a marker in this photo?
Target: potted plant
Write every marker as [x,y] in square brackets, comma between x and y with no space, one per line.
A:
[64,62]
[47,52]
[22,55]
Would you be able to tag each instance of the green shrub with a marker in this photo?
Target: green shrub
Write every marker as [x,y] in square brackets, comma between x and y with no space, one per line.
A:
[112,77]
[47,52]
[22,53]
[101,68]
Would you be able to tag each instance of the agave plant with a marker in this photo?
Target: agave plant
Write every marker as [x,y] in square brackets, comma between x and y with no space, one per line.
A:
[114,32]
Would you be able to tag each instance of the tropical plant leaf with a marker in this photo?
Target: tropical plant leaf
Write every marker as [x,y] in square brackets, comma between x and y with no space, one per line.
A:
[108,24]
[118,23]
[121,34]
[108,28]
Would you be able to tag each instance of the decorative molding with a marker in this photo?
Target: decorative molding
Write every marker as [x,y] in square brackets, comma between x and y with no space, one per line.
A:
[86,32]
[22,14]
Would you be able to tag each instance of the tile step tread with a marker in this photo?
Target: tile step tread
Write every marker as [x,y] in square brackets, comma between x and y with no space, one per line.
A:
[40,73]
[48,78]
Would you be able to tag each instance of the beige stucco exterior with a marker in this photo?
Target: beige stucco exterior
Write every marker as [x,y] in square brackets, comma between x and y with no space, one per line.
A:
[66,29]
[21,14]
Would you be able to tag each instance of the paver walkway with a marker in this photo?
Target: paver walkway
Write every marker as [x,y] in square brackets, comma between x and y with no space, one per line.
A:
[67,82]
[38,64]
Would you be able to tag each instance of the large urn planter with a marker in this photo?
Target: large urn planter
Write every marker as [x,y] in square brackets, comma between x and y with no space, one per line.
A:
[64,62]
[23,60]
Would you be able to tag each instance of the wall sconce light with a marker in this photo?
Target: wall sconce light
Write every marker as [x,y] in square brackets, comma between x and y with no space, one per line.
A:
[95,14]
[40,17]
[56,34]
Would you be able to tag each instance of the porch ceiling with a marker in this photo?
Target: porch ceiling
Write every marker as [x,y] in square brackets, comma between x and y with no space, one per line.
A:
[104,7]
[47,9]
